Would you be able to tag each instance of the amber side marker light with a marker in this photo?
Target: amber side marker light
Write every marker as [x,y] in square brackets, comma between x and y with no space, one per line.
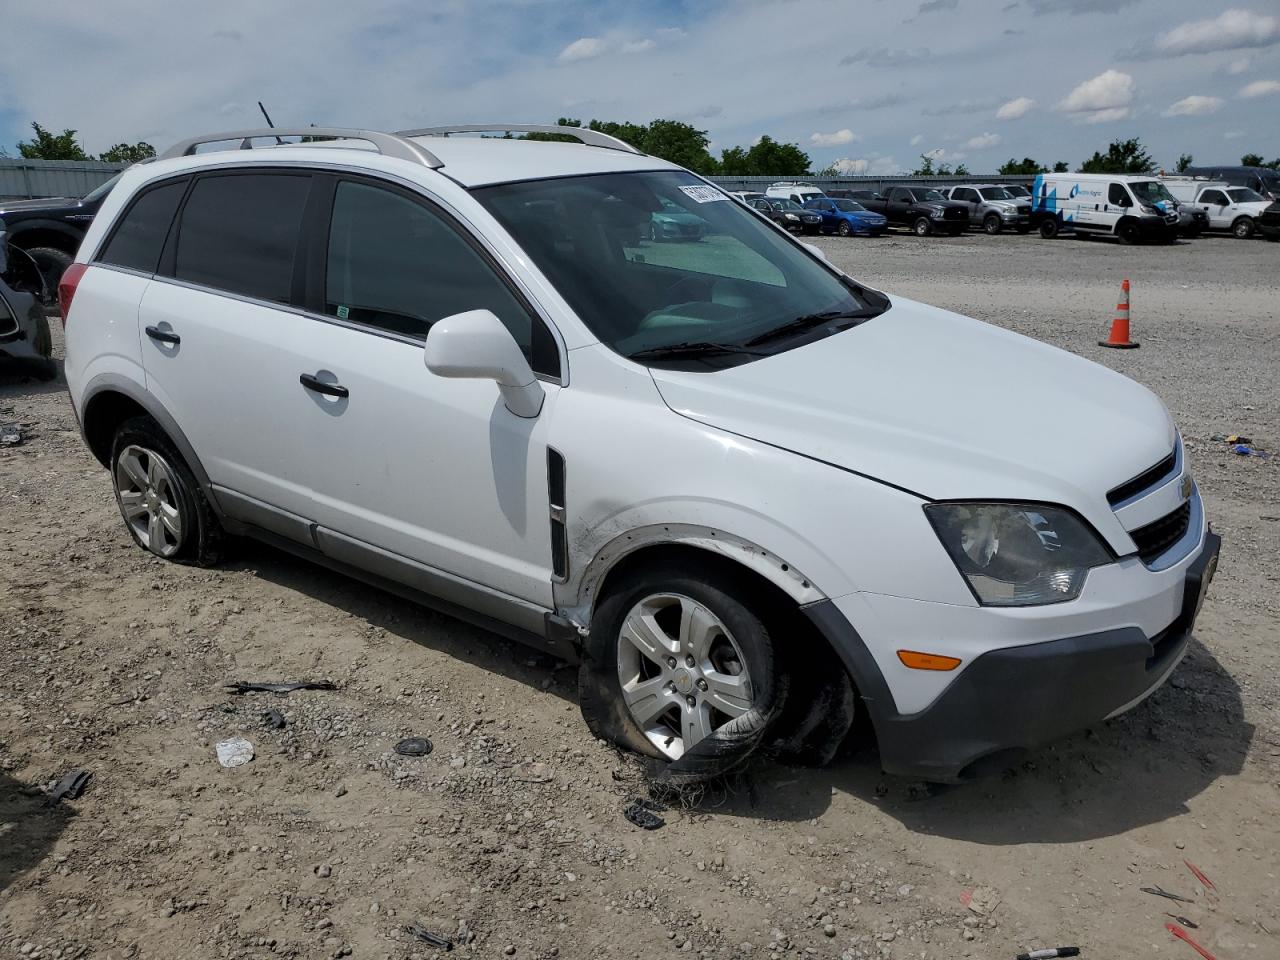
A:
[927,661]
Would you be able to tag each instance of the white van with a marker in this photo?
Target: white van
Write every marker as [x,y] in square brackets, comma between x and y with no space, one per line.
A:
[1227,207]
[793,190]
[1099,204]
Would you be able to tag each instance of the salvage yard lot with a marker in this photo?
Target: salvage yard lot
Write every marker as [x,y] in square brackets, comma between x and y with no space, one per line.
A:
[509,837]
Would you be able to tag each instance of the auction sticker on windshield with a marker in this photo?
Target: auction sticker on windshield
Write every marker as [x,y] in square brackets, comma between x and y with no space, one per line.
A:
[705,194]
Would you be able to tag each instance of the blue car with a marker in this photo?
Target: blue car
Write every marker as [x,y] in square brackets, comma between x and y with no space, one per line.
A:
[847,217]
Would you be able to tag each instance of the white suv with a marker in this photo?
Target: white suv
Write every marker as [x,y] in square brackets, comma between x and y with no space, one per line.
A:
[754,497]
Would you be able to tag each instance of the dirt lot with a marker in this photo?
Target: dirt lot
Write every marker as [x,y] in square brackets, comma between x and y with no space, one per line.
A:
[509,837]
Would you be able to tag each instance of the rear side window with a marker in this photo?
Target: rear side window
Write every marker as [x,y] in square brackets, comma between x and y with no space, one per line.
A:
[239,233]
[139,236]
[399,266]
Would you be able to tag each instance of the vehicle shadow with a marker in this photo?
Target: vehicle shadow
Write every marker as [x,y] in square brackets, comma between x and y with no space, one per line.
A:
[28,828]
[1138,769]
[18,378]
[411,621]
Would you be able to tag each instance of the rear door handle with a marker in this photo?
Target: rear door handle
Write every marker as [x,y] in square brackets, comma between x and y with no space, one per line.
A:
[163,336]
[319,386]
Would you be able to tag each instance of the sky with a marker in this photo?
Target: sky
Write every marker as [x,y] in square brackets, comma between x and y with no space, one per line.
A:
[868,85]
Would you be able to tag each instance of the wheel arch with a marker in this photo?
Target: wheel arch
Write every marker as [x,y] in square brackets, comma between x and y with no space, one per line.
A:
[28,234]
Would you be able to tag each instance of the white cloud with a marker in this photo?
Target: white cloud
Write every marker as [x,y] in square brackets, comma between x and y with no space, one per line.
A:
[983,141]
[1237,67]
[1193,106]
[1015,108]
[1234,29]
[873,165]
[834,139]
[584,48]
[1105,97]
[917,139]
[638,46]
[1260,88]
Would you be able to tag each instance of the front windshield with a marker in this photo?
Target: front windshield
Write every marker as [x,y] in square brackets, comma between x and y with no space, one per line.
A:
[1245,195]
[788,206]
[849,206]
[100,191]
[995,193]
[730,281]
[1017,191]
[1151,191]
[929,195]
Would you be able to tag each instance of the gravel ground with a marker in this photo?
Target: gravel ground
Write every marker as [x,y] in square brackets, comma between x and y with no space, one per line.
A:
[509,837]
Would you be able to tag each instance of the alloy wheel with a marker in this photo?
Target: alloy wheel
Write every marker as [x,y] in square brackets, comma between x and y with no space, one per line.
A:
[682,674]
[147,491]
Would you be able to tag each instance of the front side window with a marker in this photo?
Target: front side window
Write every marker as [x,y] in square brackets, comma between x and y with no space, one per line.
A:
[1244,195]
[1151,191]
[239,233]
[732,280]
[139,236]
[1116,195]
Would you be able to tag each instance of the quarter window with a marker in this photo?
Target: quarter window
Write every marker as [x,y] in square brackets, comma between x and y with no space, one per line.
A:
[396,265]
[239,233]
[139,236]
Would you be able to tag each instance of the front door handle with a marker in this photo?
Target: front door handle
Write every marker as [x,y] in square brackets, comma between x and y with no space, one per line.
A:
[163,336]
[319,386]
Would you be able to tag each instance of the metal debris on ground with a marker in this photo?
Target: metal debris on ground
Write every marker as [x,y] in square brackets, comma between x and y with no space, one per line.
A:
[274,719]
[419,932]
[1186,938]
[1160,892]
[240,686]
[1185,921]
[10,434]
[234,752]
[644,818]
[70,786]
[414,747]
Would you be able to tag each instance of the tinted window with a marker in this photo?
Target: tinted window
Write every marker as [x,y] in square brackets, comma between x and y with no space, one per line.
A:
[1213,196]
[1116,194]
[1244,195]
[140,234]
[396,265]
[239,233]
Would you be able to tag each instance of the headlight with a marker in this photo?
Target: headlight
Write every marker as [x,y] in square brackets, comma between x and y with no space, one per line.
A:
[936,214]
[792,216]
[1018,555]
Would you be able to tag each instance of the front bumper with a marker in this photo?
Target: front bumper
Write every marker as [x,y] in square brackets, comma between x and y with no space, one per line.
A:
[1012,699]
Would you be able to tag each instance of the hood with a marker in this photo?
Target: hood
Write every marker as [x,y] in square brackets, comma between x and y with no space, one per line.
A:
[943,406]
[863,214]
[35,206]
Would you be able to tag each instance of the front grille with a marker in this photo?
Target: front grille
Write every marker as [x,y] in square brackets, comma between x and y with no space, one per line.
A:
[1148,478]
[951,213]
[1159,535]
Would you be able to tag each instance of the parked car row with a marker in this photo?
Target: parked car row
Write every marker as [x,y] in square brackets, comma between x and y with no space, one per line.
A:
[1132,209]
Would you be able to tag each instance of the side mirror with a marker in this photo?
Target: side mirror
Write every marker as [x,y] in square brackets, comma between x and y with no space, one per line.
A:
[815,250]
[475,345]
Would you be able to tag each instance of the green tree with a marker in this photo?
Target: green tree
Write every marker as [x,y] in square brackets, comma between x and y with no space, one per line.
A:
[48,146]
[961,170]
[1122,156]
[130,152]
[926,168]
[1061,167]
[1184,160]
[669,139]
[771,158]
[1251,160]
[1019,168]
[734,162]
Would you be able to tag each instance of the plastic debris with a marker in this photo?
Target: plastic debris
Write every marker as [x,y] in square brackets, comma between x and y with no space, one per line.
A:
[1204,881]
[235,752]
[274,719]
[10,434]
[70,786]
[419,932]
[1160,892]
[1182,935]
[639,814]
[1244,450]
[414,747]
[1050,953]
[241,686]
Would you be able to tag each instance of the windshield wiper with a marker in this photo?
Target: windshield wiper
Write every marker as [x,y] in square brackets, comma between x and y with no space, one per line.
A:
[693,348]
[810,320]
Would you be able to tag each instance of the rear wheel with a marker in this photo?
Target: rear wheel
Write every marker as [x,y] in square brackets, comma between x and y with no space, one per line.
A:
[678,666]
[922,227]
[991,223]
[159,498]
[1243,228]
[1049,228]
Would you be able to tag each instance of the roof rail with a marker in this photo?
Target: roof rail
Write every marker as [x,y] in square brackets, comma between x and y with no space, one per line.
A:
[592,138]
[387,144]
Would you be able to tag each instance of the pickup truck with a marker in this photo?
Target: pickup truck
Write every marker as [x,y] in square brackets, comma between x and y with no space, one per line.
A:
[923,209]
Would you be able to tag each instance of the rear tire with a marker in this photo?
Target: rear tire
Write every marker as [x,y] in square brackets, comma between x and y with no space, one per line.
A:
[51,262]
[992,224]
[1049,228]
[922,227]
[159,498]
[671,713]
[1243,228]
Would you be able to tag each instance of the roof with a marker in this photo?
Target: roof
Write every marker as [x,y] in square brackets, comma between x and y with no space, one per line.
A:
[478,161]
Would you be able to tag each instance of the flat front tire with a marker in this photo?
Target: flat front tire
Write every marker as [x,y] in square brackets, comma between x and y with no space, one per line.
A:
[678,666]
[163,508]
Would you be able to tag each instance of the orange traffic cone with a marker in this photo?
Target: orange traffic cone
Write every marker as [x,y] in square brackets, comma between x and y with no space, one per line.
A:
[1120,325]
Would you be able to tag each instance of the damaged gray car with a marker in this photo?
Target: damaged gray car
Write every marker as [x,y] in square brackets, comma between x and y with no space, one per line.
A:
[26,345]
